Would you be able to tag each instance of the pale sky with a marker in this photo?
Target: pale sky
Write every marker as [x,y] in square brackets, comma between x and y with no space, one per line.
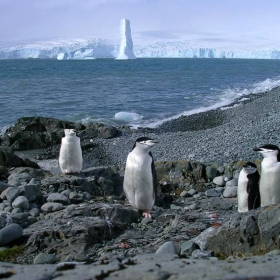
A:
[27,20]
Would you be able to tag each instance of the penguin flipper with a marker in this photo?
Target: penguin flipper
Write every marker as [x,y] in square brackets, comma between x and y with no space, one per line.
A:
[253,191]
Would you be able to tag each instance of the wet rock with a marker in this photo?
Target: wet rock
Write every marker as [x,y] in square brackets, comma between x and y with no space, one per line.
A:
[10,233]
[36,132]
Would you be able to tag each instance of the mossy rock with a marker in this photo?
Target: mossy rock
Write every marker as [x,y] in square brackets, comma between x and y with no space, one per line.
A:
[8,255]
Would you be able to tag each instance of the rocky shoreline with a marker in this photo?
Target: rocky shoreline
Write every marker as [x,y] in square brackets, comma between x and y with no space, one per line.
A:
[55,226]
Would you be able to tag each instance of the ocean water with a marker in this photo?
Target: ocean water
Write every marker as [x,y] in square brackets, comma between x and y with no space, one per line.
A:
[141,92]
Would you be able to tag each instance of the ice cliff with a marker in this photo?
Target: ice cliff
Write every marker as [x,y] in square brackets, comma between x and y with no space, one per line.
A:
[126,47]
[97,48]
[76,49]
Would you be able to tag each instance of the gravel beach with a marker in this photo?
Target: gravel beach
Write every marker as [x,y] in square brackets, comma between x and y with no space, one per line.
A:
[216,136]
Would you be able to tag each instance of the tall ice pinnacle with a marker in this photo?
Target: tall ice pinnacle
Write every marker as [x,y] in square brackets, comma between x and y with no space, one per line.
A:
[126,47]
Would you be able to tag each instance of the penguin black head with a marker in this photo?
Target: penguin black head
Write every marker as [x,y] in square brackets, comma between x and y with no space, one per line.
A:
[268,150]
[250,167]
[144,143]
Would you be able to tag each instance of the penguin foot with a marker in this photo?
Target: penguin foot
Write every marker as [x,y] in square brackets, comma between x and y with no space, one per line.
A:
[147,215]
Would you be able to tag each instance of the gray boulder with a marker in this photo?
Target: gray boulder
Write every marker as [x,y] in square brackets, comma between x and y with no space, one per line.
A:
[10,233]
[43,258]
[32,192]
[16,179]
[51,207]
[12,193]
[21,202]
[254,232]
[3,186]
[166,248]
[211,172]
[59,198]
[9,159]
[230,191]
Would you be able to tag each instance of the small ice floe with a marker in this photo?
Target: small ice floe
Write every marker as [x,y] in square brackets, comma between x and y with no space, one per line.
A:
[128,116]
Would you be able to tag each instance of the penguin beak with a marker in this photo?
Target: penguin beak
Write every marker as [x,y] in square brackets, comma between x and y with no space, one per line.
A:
[256,149]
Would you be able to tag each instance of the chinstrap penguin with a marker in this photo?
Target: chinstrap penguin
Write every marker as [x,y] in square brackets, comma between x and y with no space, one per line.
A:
[270,174]
[70,155]
[248,193]
[140,180]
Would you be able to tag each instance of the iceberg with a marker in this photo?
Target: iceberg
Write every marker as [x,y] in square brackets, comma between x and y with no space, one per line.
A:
[126,47]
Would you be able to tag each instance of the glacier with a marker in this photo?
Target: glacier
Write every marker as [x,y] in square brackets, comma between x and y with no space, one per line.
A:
[78,48]
[98,48]
[126,47]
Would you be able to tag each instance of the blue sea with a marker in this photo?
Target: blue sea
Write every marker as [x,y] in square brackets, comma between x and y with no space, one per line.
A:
[141,92]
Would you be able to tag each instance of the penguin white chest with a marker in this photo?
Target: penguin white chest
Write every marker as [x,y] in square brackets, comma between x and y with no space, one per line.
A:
[242,193]
[270,182]
[138,181]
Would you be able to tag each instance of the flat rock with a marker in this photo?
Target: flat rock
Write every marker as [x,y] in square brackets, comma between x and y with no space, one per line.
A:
[51,207]
[59,198]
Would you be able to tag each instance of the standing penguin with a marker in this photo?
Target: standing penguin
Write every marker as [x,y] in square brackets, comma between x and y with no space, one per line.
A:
[270,174]
[248,188]
[140,180]
[70,155]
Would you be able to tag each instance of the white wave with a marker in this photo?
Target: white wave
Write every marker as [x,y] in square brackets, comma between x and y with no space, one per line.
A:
[3,129]
[228,97]
[128,116]
[266,85]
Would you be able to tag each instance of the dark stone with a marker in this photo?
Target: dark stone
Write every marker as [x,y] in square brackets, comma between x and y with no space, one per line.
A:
[254,232]
[36,132]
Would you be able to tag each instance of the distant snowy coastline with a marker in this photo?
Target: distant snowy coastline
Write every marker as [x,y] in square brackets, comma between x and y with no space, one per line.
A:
[81,48]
